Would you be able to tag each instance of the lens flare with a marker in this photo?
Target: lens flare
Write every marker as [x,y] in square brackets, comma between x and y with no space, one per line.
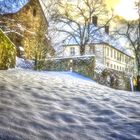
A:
[126,9]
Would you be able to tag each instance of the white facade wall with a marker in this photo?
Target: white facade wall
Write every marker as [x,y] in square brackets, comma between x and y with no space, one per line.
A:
[99,53]
[117,60]
[67,50]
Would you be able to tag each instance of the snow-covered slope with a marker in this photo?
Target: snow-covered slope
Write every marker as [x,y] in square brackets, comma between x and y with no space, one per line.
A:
[64,106]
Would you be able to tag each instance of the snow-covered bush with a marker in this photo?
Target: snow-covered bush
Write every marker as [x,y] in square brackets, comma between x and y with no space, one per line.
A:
[113,78]
[83,65]
[99,67]
[24,64]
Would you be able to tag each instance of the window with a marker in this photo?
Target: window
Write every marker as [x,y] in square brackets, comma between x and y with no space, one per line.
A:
[114,66]
[34,12]
[126,59]
[115,54]
[91,50]
[118,56]
[72,51]
[122,57]
[107,51]
[111,53]
[107,64]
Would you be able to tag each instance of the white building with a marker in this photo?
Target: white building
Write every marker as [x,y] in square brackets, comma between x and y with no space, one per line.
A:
[106,49]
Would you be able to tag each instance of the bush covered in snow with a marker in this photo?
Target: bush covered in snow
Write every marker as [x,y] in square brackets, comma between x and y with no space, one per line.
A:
[99,67]
[83,65]
[24,64]
[113,78]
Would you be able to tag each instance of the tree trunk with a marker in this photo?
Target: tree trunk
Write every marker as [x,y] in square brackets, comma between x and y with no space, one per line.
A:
[138,82]
[138,77]
[36,62]
[82,50]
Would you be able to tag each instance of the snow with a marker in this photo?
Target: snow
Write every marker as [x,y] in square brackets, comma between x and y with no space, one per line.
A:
[11,6]
[24,64]
[64,106]
[99,67]
[83,57]
[21,48]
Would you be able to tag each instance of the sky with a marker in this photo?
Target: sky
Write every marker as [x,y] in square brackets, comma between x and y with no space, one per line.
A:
[124,8]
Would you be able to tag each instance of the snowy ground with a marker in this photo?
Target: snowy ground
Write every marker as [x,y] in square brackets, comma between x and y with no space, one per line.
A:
[64,106]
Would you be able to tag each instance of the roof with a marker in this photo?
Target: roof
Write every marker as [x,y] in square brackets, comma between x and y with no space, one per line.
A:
[11,6]
[98,36]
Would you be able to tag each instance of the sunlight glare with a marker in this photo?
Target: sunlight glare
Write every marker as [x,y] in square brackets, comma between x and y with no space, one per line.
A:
[125,8]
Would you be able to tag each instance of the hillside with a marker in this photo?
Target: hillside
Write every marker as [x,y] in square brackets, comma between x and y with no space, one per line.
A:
[64,106]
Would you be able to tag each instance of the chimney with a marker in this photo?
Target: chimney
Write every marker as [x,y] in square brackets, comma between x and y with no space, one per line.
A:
[107,29]
[95,20]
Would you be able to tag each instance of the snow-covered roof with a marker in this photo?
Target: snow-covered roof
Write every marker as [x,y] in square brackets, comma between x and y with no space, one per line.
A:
[11,6]
[98,36]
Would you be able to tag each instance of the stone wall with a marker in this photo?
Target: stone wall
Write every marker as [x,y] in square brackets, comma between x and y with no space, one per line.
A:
[7,52]
[82,65]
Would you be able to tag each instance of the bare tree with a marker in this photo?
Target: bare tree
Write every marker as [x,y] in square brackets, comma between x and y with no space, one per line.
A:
[130,30]
[75,20]
[40,52]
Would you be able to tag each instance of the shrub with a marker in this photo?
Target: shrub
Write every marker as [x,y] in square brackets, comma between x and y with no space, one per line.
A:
[7,52]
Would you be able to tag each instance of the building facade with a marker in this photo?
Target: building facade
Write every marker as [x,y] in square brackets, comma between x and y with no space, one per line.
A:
[107,55]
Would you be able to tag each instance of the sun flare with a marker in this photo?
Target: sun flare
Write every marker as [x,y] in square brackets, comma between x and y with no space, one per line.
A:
[126,9]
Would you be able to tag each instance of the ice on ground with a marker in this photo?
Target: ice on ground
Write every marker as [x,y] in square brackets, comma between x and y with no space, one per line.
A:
[64,106]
